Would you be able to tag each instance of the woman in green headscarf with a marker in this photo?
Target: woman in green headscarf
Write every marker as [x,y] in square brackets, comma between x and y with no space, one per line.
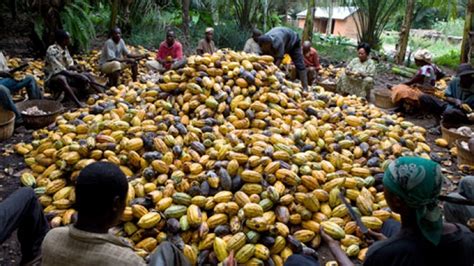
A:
[411,188]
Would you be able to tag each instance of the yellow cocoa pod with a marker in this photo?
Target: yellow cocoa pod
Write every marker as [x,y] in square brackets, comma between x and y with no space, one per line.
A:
[220,249]
[262,252]
[148,244]
[236,242]
[252,210]
[304,235]
[139,210]
[194,215]
[372,222]
[55,185]
[352,250]
[223,196]
[149,220]
[251,176]
[333,230]
[217,219]
[350,240]
[245,253]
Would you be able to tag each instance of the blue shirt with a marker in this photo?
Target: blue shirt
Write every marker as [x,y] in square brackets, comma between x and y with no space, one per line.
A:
[454,90]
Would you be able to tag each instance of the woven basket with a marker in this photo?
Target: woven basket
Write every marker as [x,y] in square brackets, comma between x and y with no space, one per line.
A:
[328,86]
[452,137]
[464,156]
[53,108]
[7,124]
[383,99]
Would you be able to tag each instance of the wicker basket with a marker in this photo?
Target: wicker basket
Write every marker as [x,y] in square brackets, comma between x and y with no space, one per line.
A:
[7,124]
[53,108]
[383,99]
[328,86]
[464,156]
[452,137]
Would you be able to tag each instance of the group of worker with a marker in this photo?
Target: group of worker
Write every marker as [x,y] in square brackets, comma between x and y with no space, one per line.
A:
[63,76]
[411,188]
[417,94]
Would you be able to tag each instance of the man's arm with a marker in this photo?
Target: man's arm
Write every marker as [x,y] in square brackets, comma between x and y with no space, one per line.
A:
[417,79]
[179,52]
[247,46]
[199,48]
[5,74]
[316,61]
[336,250]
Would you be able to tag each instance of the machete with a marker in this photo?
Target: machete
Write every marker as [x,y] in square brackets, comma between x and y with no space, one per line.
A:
[459,201]
[352,213]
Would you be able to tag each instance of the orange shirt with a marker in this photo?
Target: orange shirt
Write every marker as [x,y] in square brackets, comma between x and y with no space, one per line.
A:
[311,59]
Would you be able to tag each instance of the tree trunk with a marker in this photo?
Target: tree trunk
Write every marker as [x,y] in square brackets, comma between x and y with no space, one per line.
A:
[114,14]
[466,47]
[330,15]
[284,12]
[309,21]
[405,32]
[265,13]
[185,7]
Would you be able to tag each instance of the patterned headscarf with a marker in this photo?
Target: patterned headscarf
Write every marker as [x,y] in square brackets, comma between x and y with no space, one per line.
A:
[424,55]
[417,182]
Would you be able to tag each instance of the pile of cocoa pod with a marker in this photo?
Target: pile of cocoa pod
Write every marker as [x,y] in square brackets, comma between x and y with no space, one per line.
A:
[226,155]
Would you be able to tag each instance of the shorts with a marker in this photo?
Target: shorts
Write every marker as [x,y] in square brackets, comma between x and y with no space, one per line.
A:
[112,66]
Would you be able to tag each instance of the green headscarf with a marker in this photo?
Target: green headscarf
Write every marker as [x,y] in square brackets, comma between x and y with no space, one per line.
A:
[417,182]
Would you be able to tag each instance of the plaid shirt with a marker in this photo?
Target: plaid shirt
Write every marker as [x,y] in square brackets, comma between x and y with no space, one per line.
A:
[57,60]
[71,246]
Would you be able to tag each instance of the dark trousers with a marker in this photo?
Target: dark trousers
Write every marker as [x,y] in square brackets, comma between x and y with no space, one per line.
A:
[10,86]
[296,55]
[451,115]
[22,211]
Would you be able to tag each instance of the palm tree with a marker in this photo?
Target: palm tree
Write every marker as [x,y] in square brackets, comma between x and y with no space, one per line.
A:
[372,17]
[185,9]
[405,31]
[308,23]
[446,6]
[466,47]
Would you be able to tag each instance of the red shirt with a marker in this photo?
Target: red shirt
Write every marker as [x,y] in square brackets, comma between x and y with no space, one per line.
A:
[311,59]
[175,51]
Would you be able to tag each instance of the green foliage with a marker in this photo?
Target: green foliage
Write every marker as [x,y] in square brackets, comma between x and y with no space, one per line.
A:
[373,17]
[451,27]
[100,17]
[335,53]
[230,36]
[77,21]
[450,59]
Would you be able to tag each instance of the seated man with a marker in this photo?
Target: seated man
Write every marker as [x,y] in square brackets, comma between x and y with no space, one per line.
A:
[101,192]
[280,41]
[251,46]
[459,92]
[8,86]
[22,211]
[169,55]
[61,74]
[206,45]
[115,57]
[457,213]
[311,61]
